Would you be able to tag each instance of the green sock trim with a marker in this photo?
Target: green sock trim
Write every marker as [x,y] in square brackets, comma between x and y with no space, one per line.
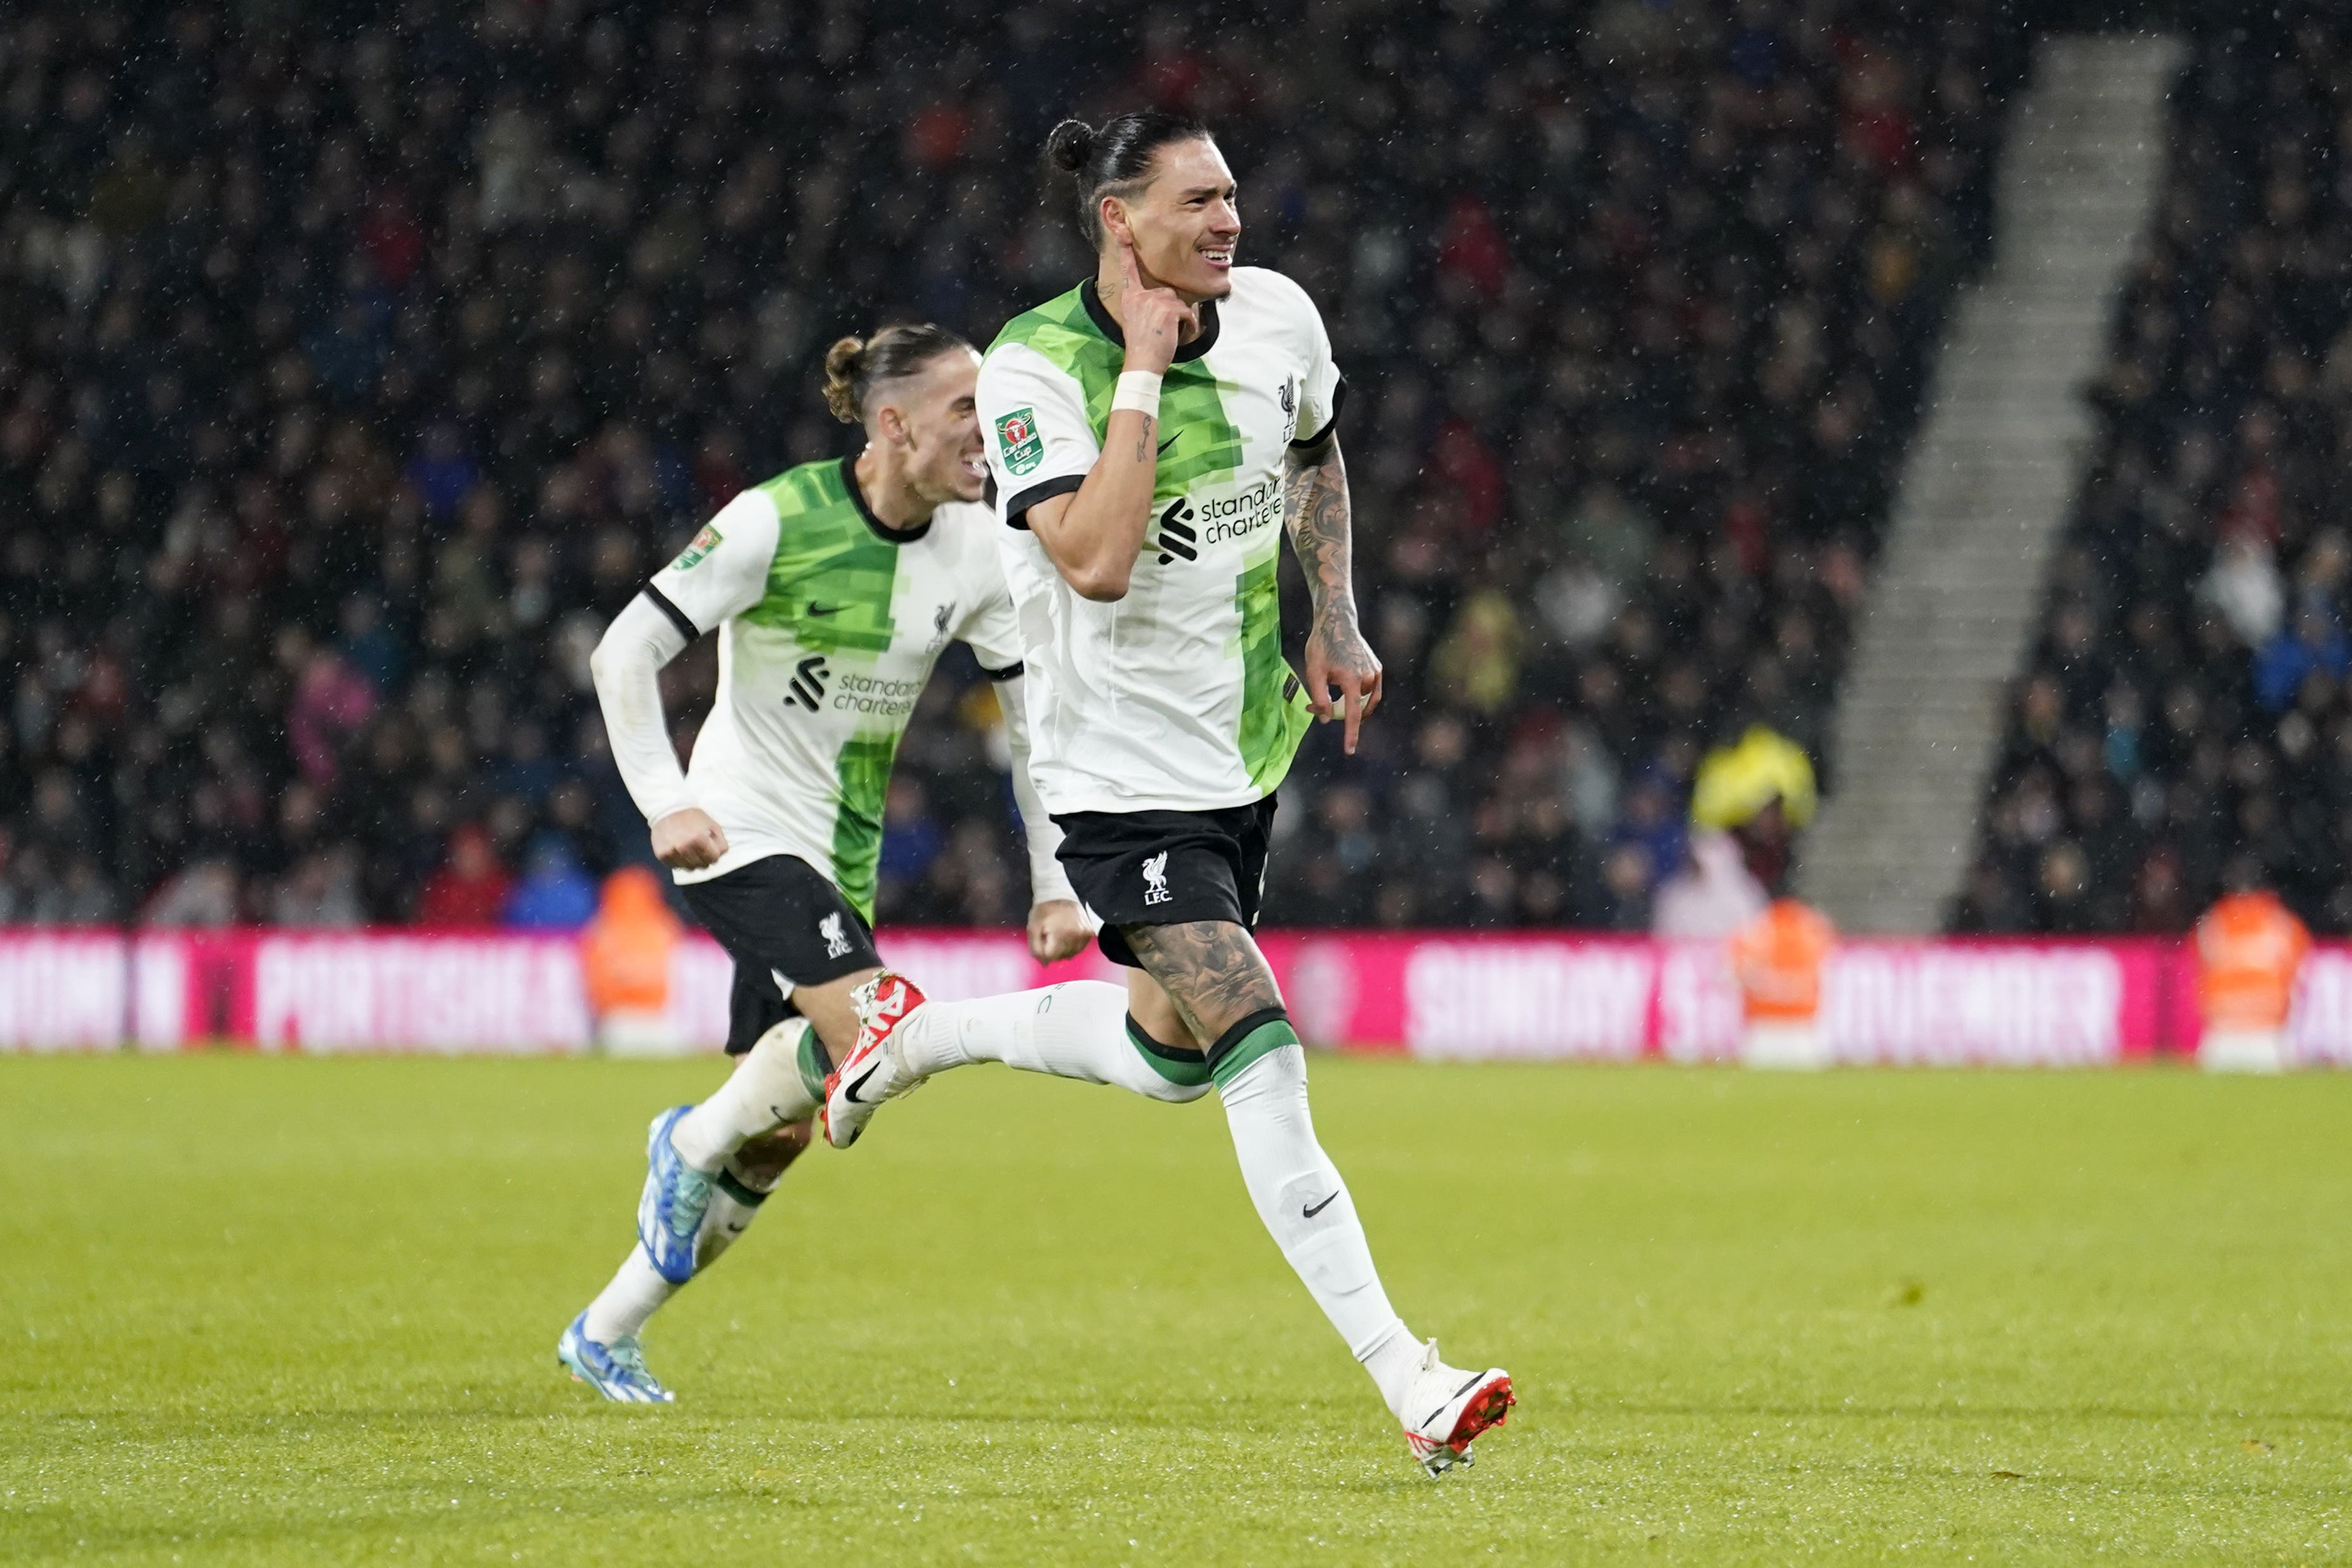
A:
[1189,1068]
[1257,1035]
[733,1187]
[814,1063]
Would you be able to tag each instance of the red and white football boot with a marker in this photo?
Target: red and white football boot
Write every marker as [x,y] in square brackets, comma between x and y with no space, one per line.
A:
[874,1070]
[1446,1408]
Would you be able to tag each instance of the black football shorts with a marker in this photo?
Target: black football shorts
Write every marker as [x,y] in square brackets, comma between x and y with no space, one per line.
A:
[779,918]
[1167,868]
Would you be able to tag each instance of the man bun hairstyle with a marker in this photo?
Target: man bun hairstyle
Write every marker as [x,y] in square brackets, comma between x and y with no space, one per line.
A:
[1070,144]
[1117,158]
[854,367]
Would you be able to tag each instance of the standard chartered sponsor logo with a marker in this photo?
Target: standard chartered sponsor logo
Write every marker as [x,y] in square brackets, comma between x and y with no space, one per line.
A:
[856,693]
[815,687]
[1186,523]
[1241,514]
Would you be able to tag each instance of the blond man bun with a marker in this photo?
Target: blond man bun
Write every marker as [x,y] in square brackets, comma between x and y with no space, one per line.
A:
[854,367]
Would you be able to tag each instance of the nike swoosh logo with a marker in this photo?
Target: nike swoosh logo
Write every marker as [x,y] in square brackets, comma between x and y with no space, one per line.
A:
[1169,442]
[1311,1213]
[1450,1398]
[825,608]
[850,1093]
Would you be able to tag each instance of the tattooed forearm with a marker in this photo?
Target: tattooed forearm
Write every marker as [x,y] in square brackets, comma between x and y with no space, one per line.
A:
[1210,969]
[1143,441]
[1317,513]
[1343,674]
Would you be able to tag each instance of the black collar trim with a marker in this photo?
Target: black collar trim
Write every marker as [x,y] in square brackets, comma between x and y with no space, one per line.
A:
[1107,324]
[882,530]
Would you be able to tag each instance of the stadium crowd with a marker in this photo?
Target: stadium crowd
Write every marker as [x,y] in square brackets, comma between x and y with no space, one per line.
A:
[352,371]
[2185,725]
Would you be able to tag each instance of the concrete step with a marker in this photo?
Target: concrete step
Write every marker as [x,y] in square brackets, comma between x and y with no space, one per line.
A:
[1987,488]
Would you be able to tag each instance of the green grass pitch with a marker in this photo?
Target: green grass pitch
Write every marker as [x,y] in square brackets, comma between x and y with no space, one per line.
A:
[301,1312]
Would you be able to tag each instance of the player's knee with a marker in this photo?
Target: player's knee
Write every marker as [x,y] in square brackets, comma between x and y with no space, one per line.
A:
[1153,1087]
[1260,1047]
[1158,1070]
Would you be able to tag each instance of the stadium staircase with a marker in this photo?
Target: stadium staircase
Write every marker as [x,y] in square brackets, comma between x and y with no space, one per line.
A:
[1985,490]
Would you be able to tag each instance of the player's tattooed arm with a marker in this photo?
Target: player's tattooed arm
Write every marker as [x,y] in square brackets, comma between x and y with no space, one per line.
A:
[1317,512]
[1210,969]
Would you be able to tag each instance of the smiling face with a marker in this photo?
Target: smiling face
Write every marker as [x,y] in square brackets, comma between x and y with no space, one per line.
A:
[1183,220]
[933,421]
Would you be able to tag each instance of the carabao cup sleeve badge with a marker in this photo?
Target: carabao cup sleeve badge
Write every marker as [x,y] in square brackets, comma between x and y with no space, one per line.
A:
[704,543]
[1017,438]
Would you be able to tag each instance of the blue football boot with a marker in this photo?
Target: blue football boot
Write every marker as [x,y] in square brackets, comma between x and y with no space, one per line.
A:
[617,1371]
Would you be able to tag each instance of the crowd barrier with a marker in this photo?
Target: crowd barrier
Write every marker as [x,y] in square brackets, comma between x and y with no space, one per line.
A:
[1436,994]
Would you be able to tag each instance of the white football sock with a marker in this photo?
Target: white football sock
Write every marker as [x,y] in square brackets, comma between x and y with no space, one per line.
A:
[763,1092]
[727,1217]
[1077,1030]
[636,1293]
[1394,1363]
[1308,1210]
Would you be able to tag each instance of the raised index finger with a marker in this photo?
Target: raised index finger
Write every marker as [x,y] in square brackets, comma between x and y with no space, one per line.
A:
[1127,264]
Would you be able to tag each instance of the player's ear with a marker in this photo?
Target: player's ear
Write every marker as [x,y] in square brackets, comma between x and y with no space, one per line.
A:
[890,424]
[1114,221]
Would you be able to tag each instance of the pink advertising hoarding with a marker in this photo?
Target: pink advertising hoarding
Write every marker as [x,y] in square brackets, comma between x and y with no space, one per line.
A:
[1552,995]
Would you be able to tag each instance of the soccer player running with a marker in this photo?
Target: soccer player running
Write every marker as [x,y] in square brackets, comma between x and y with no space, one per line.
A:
[832,588]
[1152,431]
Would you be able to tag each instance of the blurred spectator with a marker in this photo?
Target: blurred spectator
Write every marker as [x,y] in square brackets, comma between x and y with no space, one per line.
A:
[553,894]
[1476,664]
[470,889]
[332,701]
[2250,949]
[912,840]
[324,889]
[1761,792]
[1653,826]
[1627,875]
[2315,645]
[1779,958]
[1713,896]
[624,956]
[2245,587]
[203,892]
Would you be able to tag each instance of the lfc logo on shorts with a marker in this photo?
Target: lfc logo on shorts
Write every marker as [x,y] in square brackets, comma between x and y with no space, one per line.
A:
[1017,439]
[837,942]
[1155,879]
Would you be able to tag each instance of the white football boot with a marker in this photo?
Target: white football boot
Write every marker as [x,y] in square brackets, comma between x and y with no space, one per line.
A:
[1446,1408]
[874,1070]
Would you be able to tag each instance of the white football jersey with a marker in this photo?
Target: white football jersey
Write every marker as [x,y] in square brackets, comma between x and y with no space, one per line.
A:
[828,626]
[1176,698]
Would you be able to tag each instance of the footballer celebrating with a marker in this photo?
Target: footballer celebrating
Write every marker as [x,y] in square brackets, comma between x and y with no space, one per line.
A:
[1152,433]
[832,590]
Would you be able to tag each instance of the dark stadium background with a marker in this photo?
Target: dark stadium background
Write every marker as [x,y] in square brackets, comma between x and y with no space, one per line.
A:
[360,359]
[357,363]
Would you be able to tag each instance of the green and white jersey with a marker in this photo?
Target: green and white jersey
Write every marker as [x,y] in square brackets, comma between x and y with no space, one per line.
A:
[828,626]
[1176,698]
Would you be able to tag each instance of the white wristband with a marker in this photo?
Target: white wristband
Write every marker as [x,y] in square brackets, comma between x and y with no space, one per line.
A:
[1138,390]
